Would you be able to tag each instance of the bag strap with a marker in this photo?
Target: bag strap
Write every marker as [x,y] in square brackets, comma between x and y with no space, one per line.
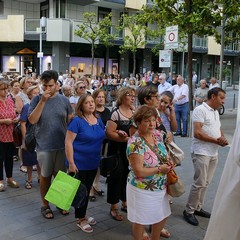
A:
[161,159]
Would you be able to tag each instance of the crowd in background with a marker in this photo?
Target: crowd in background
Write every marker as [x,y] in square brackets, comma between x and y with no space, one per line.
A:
[166,99]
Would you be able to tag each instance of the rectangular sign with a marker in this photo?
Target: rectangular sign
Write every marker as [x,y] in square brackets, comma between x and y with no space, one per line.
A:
[171,37]
[165,58]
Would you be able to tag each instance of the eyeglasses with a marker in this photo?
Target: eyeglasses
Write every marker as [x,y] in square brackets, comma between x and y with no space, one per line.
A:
[156,96]
[130,95]
[81,87]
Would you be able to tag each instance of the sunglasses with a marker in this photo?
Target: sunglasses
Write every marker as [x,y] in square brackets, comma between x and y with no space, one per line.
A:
[81,87]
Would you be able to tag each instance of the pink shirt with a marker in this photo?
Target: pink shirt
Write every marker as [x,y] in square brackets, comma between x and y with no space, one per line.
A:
[7,111]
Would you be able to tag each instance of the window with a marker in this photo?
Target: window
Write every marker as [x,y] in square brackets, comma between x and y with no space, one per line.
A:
[44,9]
[60,8]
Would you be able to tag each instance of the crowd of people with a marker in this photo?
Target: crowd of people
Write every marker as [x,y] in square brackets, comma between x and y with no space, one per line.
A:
[74,128]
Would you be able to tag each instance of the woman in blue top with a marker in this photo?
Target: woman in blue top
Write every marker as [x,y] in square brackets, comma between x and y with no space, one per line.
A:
[83,143]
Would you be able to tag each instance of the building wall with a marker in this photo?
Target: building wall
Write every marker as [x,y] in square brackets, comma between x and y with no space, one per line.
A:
[29,10]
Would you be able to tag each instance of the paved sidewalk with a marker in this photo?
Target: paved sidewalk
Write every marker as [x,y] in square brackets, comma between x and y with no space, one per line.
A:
[21,217]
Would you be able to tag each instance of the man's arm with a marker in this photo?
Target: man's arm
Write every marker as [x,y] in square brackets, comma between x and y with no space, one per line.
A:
[199,134]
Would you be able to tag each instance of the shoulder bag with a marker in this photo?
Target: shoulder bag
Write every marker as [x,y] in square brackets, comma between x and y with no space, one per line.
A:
[176,154]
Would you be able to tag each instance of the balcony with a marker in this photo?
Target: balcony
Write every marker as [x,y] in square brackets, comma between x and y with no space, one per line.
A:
[199,42]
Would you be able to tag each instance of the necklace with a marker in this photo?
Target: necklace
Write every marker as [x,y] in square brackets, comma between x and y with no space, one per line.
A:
[90,123]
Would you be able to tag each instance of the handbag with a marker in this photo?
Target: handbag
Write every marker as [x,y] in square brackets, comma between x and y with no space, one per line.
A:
[175,186]
[80,197]
[30,140]
[17,135]
[175,152]
[62,190]
[108,164]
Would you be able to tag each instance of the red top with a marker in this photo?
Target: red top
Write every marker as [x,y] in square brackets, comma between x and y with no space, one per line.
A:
[7,110]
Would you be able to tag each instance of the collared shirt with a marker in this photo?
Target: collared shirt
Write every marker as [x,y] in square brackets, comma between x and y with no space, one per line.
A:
[163,87]
[211,126]
[178,91]
[213,85]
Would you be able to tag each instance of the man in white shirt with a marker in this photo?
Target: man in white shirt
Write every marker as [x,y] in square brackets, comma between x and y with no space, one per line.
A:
[206,141]
[214,83]
[164,85]
[180,92]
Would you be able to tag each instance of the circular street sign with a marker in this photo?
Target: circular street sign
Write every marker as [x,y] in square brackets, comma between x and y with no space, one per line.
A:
[171,36]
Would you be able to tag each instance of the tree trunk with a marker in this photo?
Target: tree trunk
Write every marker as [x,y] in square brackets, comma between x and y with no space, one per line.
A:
[134,64]
[92,52]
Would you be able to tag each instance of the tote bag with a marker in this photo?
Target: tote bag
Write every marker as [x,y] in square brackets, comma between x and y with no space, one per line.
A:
[62,190]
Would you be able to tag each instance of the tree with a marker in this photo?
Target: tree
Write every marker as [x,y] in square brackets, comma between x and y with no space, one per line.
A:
[134,36]
[95,32]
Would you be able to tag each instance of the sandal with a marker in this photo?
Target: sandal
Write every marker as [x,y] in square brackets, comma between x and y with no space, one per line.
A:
[91,221]
[165,233]
[15,158]
[116,215]
[124,208]
[99,193]
[13,184]
[92,198]
[146,236]
[84,226]
[23,169]
[47,212]
[2,188]
[63,212]
[28,184]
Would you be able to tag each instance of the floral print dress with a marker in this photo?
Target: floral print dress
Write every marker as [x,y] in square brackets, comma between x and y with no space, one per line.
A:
[137,145]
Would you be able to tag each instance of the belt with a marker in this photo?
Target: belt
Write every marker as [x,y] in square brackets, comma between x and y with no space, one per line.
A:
[181,104]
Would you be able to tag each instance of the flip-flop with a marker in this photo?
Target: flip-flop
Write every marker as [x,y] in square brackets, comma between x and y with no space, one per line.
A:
[84,226]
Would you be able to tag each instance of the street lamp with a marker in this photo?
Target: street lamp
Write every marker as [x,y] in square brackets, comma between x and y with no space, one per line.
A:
[43,23]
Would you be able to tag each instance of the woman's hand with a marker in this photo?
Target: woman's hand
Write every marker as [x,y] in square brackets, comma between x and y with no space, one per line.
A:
[165,168]
[121,133]
[72,168]
[8,121]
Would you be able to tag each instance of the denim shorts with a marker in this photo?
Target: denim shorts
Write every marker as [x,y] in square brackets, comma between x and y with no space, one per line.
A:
[51,162]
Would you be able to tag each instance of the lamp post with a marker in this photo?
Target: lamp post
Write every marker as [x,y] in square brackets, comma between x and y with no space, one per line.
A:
[222,50]
[43,22]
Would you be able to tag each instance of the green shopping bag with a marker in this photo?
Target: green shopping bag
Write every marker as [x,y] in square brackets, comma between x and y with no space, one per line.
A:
[62,190]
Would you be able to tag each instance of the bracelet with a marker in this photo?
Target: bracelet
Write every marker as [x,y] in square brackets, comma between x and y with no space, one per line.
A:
[159,169]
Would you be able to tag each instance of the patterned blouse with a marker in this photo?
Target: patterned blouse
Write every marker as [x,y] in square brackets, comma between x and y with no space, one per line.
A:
[137,145]
[7,110]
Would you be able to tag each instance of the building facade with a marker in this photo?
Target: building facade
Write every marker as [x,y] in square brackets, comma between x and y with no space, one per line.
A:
[27,43]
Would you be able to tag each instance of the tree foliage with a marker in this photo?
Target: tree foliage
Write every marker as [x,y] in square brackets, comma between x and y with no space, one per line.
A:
[197,17]
[134,36]
[95,32]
